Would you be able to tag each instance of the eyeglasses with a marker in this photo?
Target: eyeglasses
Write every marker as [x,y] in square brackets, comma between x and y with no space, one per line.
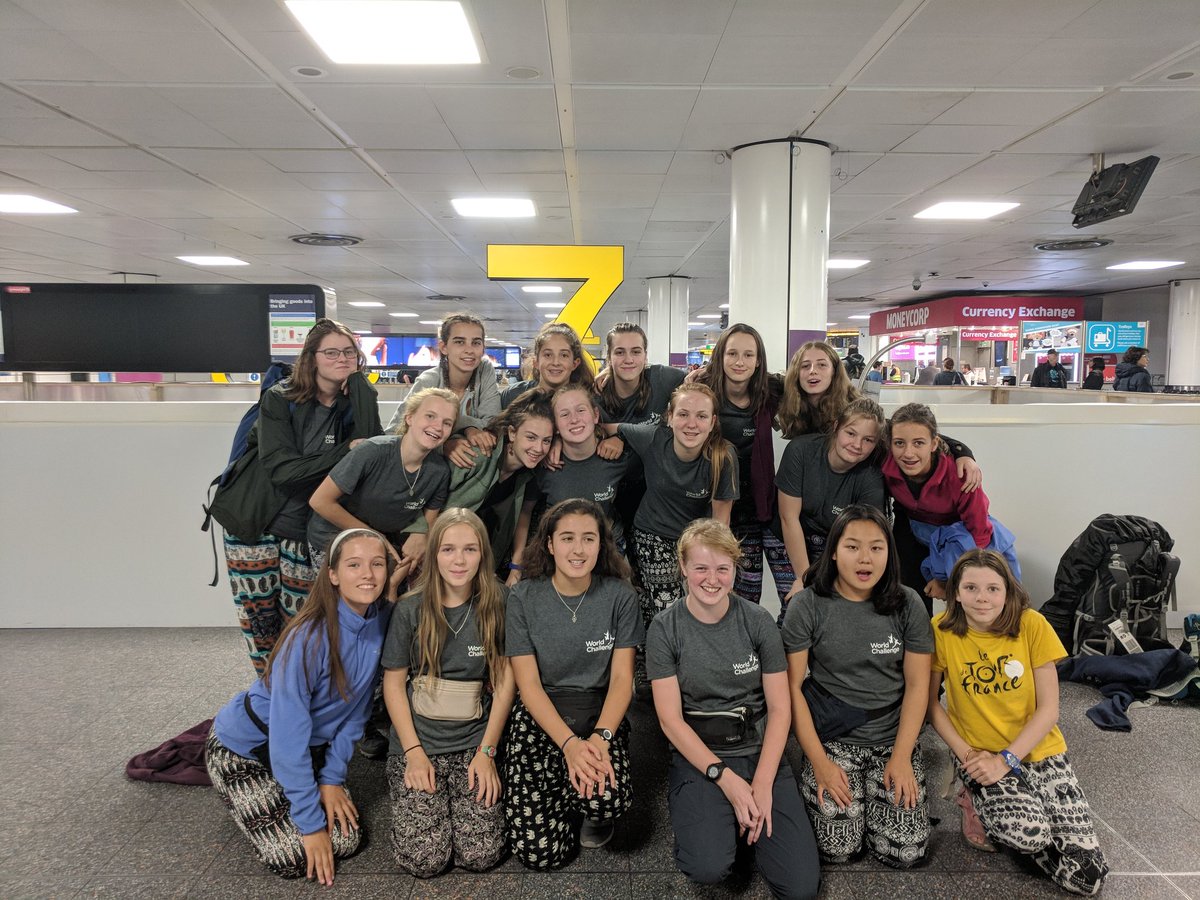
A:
[332,354]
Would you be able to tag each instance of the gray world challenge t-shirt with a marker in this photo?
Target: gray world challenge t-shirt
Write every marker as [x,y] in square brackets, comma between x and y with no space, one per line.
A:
[572,655]
[594,478]
[858,655]
[678,492]
[720,665]
[804,472]
[662,380]
[376,489]
[462,660]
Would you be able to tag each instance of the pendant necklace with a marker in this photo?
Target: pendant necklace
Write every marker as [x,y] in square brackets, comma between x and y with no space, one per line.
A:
[463,623]
[574,612]
[413,483]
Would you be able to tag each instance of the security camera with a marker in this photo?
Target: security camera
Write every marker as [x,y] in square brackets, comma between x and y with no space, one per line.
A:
[916,284]
[985,283]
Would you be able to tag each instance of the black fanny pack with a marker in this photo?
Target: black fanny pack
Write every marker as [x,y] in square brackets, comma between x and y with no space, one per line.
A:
[723,728]
[832,717]
[579,709]
[262,752]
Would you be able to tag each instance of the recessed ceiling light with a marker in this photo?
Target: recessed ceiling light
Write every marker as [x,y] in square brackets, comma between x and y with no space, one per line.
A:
[403,315]
[846,263]
[27,203]
[830,324]
[364,303]
[709,316]
[549,315]
[963,209]
[697,325]
[429,322]
[388,32]
[722,306]
[494,207]
[541,289]
[859,317]
[213,260]
[549,305]
[362,331]
[1143,264]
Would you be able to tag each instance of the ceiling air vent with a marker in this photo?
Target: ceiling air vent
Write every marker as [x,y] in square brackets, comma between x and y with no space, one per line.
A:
[1072,244]
[444,298]
[316,239]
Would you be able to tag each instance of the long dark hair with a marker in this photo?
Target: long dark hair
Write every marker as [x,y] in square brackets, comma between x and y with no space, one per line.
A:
[821,576]
[320,614]
[540,564]
[302,385]
[582,373]
[714,375]
[529,405]
[444,329]
[608,394]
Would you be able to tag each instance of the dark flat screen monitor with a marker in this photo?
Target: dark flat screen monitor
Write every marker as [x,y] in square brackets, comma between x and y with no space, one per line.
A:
[1113,191]
[144,327]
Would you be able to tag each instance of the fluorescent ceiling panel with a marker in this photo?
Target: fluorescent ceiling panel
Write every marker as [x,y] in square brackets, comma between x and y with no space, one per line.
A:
[389,32]
[964,209]
[494,207]
[27,203]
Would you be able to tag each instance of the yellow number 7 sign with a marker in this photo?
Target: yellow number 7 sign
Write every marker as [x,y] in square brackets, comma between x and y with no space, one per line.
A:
[600,268]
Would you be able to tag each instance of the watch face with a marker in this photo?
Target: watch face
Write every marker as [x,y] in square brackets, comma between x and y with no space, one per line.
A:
[713,772]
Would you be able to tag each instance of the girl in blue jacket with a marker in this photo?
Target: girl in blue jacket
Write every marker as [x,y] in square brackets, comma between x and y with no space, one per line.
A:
[278,753]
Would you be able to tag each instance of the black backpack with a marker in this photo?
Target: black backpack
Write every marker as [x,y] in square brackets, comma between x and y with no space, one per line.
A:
[1118,569]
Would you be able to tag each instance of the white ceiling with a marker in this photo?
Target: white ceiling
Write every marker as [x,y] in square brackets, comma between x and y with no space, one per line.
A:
[178,127]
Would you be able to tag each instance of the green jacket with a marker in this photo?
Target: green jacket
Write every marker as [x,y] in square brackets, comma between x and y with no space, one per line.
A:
[273,468]
[470,487]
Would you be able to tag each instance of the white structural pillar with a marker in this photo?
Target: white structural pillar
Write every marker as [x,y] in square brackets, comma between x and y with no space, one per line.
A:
[779,243]
[667,320]
[1183,333]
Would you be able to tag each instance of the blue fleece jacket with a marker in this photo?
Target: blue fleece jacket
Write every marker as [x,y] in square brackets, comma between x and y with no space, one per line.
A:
[302,712]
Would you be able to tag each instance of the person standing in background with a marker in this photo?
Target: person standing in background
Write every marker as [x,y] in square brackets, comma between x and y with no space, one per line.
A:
[1133,373]
[1049,374]
[968,374]
[948,377]
[876,373]
[1095,377]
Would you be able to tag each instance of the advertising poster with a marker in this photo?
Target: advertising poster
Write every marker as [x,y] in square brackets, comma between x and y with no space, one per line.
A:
[1115,337]
[1043,336]
[291,317]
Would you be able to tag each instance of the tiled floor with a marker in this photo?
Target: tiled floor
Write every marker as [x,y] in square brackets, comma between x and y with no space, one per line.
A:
[77,704]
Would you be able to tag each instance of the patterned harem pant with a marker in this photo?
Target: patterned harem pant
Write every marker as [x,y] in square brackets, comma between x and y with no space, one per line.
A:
[270,579]
[263,813]
[895,835]
[429,830]
[543,809]
[1044,814]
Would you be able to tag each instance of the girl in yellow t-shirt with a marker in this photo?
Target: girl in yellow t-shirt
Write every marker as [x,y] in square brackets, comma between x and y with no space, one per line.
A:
[1000,722]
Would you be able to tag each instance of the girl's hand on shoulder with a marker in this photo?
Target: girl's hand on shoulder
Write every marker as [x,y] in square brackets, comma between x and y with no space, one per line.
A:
[418,771]
[354,443]
[832,778]
[695,375]
[970,473]
[602,379]
[936,589]
[481,439]
[338,807]
[986,768]
[412,551]
[484,780]
[899,778]
[553,460]
[741,797]
[514,575]
[318,854]
[460,452]
[610,448]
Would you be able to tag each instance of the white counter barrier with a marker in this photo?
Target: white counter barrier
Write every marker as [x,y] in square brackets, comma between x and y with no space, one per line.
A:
[100,502]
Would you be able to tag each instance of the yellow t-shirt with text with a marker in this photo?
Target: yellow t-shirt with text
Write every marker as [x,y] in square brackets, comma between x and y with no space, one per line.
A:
[990,693]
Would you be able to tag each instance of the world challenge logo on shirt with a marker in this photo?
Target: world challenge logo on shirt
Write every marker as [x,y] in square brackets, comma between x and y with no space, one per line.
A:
[472,650]
[605,495]
[889,647]
[604,645]
[745,668]
[415,504]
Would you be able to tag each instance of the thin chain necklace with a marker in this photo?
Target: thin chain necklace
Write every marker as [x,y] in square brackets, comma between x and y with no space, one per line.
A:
[411,484]
[574,612]
[463,623]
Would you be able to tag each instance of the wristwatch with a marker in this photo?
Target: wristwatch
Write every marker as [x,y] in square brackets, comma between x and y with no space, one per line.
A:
[488,750]
[1011,758]
[604,733]
[713,772]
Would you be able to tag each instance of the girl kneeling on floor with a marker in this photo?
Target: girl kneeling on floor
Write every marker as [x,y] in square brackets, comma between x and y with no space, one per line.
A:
[858,712]
[449,691]
[1001,723]
[278,753]
[571,628]
[719,677]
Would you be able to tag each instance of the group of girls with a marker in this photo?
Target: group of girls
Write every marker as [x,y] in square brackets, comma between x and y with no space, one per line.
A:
[541,679]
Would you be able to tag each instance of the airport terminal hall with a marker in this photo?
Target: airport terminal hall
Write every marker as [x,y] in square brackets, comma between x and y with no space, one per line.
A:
[600,449]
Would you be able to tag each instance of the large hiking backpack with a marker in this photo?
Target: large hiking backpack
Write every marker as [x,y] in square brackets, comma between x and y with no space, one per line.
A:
[1118,569]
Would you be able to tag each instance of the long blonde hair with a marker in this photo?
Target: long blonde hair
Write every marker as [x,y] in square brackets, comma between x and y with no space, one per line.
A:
[716,449]
[798,414]
[486,591]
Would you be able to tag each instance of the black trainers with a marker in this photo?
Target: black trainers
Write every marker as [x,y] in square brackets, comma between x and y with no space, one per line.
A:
[374,745]
[593,835]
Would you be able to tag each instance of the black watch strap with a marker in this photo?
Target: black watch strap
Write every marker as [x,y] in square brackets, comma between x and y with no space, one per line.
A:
[713,772]
[604,733]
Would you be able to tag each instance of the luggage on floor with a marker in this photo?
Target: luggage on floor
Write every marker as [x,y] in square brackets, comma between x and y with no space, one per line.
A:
[1118,570]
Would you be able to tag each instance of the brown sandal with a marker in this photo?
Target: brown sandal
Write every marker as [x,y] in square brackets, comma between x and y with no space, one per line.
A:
[972,828]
